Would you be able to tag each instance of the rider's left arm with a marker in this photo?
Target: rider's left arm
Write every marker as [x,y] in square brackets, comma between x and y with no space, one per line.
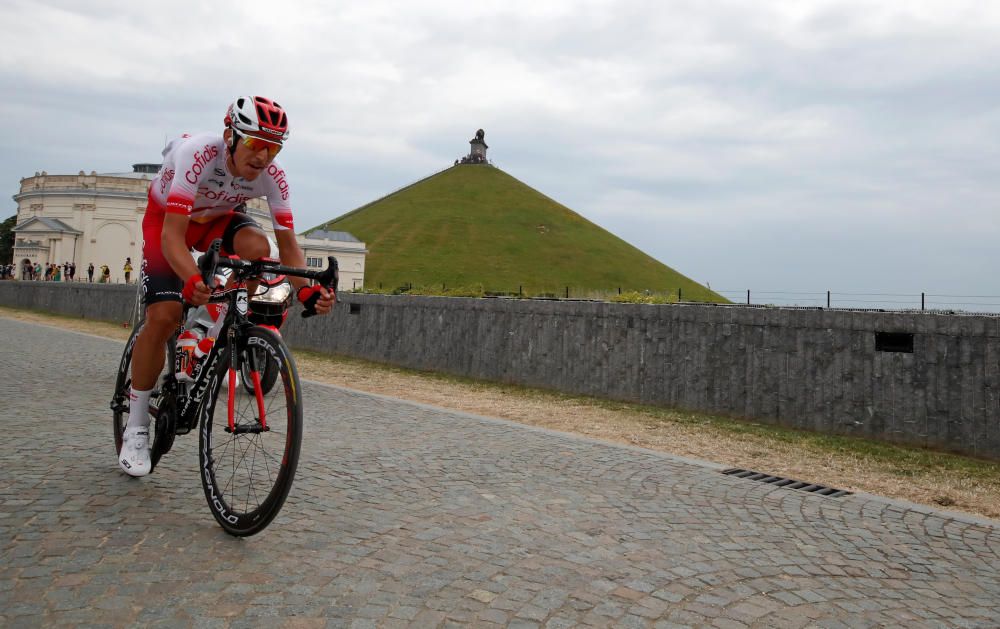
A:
[291,255]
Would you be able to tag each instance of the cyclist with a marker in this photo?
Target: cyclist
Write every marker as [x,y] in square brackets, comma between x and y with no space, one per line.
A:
[194,199]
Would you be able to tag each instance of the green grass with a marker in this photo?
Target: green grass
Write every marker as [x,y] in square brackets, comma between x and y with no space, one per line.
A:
[472,226]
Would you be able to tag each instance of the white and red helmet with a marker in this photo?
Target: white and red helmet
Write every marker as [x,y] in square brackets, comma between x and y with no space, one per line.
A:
[258,116]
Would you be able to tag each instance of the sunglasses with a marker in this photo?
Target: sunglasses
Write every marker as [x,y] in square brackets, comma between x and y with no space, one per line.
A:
[256,144]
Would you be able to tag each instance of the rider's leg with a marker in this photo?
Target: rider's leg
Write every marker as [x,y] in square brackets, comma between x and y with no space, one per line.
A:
[148,354]
[147,361]
[162,318]
[161,292]
[240,235]
[250,243]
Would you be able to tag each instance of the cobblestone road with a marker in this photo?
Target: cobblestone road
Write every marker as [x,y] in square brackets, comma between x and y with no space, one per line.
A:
[406,515]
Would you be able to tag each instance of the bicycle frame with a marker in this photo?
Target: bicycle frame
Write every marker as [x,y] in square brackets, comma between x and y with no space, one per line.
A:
[245,350]
[178,406]
[190,395]
[236,319]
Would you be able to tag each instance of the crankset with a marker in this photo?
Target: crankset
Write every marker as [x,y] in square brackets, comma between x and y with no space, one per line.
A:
[163,408]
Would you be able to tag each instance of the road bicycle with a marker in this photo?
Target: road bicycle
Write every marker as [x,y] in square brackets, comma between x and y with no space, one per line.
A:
[250,427]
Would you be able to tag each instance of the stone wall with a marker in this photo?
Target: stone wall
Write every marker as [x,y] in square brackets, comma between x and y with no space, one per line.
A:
[104,302]
[820,370]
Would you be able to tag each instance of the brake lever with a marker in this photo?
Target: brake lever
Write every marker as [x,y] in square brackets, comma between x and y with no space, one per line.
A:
[208,261]
[328,279]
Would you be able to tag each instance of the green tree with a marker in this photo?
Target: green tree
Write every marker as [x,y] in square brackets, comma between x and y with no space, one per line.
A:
[7,240]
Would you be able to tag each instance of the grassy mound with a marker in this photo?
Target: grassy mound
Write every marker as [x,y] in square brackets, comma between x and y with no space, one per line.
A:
[475,228]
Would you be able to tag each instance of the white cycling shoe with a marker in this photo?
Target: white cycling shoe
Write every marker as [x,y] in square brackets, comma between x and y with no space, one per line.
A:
[134,457]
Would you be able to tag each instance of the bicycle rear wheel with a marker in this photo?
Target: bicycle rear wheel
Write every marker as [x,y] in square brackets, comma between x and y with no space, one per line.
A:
[247,467]
[123,387]
[162,398]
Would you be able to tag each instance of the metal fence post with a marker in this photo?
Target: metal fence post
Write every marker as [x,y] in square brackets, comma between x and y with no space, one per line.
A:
[827,299]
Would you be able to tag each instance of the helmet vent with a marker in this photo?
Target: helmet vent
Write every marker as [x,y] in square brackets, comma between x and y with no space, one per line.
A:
[258,114]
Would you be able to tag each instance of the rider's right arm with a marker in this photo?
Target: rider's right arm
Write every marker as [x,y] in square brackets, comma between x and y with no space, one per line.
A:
[174,248]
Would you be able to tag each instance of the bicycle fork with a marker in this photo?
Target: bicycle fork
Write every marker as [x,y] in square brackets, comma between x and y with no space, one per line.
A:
[241,307]
[258,394]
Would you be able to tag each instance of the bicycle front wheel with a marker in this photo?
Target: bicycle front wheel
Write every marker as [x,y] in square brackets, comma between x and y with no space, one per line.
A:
[250,436]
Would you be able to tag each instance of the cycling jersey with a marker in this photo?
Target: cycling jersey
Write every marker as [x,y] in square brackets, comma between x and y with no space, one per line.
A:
[159,281]
[195,181]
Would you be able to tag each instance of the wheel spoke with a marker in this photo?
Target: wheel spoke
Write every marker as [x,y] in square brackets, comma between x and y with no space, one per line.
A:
[252,471]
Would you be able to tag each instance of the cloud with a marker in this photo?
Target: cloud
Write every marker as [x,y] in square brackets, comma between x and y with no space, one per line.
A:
[844,121]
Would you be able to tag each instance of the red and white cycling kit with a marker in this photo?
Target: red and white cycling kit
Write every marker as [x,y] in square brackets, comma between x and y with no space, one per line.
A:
[195,181]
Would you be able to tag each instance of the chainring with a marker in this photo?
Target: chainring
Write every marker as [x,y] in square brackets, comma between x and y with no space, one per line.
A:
[165,414]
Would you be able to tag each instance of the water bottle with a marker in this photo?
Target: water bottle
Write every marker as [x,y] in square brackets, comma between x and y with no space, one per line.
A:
[187,343]
[203,347]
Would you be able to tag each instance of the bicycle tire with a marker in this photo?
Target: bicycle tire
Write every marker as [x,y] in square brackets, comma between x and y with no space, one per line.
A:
[267,378]
[247,475]
[123,387]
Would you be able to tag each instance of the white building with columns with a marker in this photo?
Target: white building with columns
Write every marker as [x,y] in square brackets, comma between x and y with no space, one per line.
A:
[97,218]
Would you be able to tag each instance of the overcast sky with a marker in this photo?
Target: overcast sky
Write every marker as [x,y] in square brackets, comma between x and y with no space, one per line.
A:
[774,146]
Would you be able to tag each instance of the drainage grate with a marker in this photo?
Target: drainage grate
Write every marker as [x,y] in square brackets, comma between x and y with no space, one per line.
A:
[787,483]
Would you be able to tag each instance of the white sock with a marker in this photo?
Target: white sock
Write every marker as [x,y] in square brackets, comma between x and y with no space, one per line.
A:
[138,413]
